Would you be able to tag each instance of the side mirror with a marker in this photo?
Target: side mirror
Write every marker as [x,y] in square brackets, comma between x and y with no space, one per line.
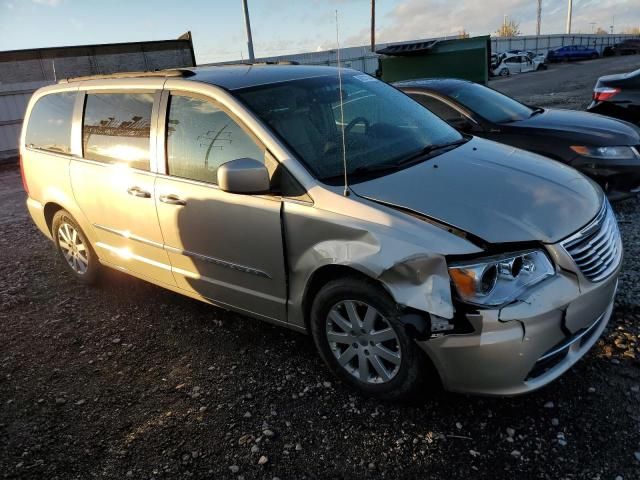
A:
[243,175]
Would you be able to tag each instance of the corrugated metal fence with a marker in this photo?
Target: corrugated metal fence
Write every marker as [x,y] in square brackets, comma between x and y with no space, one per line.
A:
[13,104]
[361,58]
[544,43]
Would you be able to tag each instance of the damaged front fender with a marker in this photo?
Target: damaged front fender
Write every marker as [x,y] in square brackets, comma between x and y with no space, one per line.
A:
[405,255]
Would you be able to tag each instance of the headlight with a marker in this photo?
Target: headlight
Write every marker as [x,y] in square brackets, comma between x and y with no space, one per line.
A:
[614,153]
[497,280]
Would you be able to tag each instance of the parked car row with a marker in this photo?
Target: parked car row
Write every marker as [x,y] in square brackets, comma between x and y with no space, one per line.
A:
[329,202]
[521,61]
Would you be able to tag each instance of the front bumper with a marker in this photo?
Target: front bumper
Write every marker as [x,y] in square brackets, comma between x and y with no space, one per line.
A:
[618,178]
[527,344]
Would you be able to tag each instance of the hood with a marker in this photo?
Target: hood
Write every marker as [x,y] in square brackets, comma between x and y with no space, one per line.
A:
[495,192]
[596,129]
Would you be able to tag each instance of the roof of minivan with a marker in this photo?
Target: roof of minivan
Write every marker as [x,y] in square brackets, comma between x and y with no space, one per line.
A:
[233,77]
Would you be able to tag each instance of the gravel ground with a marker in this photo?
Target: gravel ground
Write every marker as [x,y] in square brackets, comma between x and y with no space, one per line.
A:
[564,85]
[127,380]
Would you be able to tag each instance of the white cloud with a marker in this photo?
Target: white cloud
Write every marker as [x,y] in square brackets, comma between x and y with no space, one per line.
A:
[9,5]
[414,19]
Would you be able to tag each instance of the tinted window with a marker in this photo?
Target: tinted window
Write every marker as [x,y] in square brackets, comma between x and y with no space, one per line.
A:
[438,107]
[116,128]
[382,125]
[488,103]
[201,137]
[50,123]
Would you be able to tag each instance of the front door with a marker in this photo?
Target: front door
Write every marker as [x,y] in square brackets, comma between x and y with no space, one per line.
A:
[513,64]
[222,246]
[113,184]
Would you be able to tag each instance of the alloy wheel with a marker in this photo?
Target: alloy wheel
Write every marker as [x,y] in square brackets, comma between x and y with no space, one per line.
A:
[73,248]
[363,342]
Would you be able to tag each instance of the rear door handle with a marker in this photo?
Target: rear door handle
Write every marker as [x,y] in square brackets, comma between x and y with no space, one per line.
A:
[138,192]
[172,200]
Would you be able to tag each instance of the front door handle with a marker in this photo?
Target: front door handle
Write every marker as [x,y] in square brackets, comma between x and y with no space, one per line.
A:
[172,200]
[138,192]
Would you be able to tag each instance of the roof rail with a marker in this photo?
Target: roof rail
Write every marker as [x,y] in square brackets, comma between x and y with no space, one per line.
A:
[172,72]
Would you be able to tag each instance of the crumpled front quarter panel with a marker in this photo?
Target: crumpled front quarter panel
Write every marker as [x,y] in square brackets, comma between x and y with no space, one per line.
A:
[405,255]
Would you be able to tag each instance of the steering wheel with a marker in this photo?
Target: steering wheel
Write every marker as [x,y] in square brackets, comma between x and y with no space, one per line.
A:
[354,122]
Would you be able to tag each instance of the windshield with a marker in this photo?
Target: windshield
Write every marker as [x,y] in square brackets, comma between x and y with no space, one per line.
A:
[488,103]
[383,127]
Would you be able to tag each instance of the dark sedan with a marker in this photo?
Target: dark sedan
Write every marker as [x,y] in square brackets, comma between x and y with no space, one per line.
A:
[630,46]
[618,96]
[605,149]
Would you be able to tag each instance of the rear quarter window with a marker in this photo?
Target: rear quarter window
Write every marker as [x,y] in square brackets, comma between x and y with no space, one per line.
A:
[49,126]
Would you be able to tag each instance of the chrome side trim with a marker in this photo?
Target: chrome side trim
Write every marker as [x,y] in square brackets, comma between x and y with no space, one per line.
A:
[217,261]
[129,235]
[198,256]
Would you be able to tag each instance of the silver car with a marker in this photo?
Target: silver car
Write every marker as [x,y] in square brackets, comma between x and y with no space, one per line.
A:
[332,205]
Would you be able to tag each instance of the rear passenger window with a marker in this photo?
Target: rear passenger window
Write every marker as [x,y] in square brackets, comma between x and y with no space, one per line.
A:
[49,125]
[201,137]
[116,128]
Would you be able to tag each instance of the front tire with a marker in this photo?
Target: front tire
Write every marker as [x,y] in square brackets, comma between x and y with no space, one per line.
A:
[74,248]
[356,328]
[504,72]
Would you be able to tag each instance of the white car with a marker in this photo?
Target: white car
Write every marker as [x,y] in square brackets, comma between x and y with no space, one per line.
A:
[509,64]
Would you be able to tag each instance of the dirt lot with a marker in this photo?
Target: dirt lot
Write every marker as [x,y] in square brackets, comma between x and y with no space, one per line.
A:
[564,85]
[131,381]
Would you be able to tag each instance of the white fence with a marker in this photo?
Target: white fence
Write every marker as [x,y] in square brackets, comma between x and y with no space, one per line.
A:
[361,58]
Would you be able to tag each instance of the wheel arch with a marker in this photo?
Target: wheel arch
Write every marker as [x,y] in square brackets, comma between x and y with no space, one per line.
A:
[323,275]
[50,209]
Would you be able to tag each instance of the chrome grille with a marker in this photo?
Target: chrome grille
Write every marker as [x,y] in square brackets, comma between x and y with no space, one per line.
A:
[597,248]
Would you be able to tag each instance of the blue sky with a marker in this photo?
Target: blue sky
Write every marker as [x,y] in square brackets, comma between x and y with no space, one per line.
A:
[281,27]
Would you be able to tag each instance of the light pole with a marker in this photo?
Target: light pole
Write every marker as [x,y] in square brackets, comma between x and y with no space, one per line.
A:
[247,24]
[569,8]
[539,22]
[373,25]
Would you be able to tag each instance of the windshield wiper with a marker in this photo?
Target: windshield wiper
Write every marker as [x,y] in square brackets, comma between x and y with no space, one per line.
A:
[429,150]
[421,155]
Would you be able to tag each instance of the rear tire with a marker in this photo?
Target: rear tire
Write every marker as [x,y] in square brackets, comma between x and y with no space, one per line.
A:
[74,248]
[356,328]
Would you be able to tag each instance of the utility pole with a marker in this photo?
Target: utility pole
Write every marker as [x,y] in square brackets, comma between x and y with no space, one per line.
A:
[373,25]
[613,22]
[247,24]
[569,16]
[539,17]
[593,27]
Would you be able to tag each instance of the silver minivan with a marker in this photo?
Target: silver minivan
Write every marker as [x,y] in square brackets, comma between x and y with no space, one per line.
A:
[333,205]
